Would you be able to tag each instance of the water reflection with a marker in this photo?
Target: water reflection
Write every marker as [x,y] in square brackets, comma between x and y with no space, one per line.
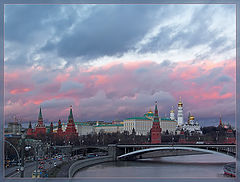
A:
[196,166]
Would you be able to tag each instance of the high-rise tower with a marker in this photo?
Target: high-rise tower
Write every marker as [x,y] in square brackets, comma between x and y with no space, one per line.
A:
[180,112]
[156,130]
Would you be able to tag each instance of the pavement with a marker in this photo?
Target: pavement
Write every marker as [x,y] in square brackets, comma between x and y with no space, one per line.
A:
[30,167]
[60,170]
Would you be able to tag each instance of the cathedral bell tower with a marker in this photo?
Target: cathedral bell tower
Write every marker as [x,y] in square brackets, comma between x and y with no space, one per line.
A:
[180,112]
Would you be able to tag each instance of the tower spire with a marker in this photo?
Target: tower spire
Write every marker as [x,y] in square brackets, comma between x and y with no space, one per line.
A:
[40,114]
[156,118]
[220,121]
[30,125]
[71,114]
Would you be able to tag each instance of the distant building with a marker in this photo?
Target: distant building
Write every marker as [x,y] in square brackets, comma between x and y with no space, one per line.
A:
[191,126]
[84,128]
[117,122]
[142,125]
[14,128]
[95,122]
[109,128]
[168,125]
[230,138]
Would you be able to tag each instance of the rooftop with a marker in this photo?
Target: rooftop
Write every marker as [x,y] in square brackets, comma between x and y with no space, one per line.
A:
[138,118]
[108,125]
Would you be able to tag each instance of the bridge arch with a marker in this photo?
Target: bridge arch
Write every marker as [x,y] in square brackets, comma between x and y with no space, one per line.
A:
[142,151]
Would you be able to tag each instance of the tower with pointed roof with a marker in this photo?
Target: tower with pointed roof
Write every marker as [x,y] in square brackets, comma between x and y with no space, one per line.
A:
[180,113]
[70,131]
[30,130]
[220,122]
[156,130]
[59,130]
[40,128]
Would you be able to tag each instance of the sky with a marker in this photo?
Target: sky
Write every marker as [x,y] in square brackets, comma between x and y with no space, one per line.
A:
[114,61]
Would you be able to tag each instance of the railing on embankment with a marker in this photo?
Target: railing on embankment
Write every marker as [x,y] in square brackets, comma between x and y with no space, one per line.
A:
[87,162]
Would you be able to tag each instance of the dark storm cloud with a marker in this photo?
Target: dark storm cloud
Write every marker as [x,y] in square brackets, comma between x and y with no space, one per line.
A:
[22,21]
[110,30]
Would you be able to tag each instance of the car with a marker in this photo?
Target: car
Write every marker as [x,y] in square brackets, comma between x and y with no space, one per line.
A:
[91,155]
[55,164]
[40,167]
[36,174]
[42,162]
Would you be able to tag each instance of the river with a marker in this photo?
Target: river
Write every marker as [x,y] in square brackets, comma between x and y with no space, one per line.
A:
[190,166]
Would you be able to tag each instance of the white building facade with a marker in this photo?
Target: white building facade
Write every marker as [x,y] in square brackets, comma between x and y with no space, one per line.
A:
[109,128]
[141,125]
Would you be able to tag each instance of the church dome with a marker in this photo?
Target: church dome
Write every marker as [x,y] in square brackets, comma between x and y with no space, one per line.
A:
[180,104]
[150,111]
[191,118]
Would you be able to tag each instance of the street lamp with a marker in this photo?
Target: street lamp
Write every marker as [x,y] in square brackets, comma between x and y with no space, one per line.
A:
[36,145]
[22,154]
[217,136]
[15,150]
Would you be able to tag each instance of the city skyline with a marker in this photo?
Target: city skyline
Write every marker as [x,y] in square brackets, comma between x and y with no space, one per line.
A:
[110,66]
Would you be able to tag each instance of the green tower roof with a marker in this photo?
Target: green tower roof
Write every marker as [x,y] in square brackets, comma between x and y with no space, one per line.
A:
[71,114]
[40,114]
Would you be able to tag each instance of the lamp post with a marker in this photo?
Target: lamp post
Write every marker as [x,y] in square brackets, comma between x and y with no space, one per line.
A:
[22,155]
[15,150]
[217,137]
[36,145]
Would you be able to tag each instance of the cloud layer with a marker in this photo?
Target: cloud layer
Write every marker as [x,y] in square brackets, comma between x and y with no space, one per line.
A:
[113,61]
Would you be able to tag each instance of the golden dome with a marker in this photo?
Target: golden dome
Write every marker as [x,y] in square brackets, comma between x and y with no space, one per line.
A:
[150,111]
[191,118]
[180,104]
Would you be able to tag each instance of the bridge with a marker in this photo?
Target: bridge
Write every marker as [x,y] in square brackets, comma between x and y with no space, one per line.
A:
[69,149]
[133,152]
[141,151]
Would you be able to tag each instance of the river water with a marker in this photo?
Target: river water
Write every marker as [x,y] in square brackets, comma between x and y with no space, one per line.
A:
[190,166]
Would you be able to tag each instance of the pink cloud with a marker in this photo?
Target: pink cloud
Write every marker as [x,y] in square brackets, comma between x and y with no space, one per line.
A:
[121,84]
[21,90]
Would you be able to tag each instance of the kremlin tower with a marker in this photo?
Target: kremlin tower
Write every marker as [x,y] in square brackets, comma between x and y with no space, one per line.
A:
[40,128]
[71,131]
[220,122]
[156,130]
[30,130]
[59,130]
[180,113]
